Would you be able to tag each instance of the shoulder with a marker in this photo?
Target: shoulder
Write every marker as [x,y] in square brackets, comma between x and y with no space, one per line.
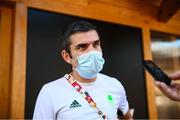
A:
[56,85]
[111,81]
[108,79]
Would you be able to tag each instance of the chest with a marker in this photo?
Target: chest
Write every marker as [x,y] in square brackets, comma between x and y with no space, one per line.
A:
[72,105]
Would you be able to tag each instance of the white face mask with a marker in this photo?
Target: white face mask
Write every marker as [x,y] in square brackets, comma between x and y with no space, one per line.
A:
[89,64]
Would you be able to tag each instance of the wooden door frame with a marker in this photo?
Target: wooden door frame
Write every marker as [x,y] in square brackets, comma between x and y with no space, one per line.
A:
[5,58]
[18,72]
[14,83]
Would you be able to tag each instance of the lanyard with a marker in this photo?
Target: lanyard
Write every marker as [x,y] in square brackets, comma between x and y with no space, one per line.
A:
[85,94]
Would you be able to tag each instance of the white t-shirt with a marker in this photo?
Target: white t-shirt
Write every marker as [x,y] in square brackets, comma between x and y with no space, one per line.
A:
[59,100]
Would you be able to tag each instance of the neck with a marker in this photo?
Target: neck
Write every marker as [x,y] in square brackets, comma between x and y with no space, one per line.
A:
[77,77]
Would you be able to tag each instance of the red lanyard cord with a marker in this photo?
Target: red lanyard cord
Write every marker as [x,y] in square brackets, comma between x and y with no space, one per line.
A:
[85,94]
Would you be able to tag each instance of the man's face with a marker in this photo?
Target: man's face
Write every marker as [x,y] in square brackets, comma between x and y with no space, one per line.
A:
[81,43]
[84,42]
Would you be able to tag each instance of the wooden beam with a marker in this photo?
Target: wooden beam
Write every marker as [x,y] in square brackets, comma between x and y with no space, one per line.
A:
[97,11]
[5,59]
[167,9]
[152,109]
[18,77]
[11,1]
[8,2]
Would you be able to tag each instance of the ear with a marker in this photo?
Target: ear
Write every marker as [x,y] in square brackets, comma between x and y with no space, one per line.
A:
[66,56]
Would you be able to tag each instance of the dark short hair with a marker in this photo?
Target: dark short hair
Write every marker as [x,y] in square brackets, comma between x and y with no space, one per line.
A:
[75,27]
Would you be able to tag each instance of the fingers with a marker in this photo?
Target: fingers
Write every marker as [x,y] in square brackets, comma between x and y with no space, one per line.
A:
[173,91]
[162,86]
[175,76]
[175,85]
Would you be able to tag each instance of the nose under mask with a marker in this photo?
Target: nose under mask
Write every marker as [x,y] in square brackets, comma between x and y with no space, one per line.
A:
[89,64]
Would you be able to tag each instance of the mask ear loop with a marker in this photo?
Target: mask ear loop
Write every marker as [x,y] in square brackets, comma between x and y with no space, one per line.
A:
[73,62]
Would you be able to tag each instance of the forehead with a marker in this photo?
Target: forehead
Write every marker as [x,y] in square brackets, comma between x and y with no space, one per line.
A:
[84,37]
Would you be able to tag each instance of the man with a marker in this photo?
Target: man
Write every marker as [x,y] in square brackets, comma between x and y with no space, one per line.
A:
[172,91]
[84,94]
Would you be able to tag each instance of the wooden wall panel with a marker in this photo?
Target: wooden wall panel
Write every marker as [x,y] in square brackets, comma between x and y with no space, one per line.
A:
[18,63]
[5,59]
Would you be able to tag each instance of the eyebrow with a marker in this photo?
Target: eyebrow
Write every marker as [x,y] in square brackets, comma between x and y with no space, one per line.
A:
[82,45]
[85,44]
[96,41]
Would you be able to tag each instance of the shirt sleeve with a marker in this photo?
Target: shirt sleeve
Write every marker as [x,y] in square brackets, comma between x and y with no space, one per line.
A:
[44,107]
[123,103]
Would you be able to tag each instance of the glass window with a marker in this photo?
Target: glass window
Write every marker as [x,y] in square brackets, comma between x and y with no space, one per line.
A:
[166,54]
